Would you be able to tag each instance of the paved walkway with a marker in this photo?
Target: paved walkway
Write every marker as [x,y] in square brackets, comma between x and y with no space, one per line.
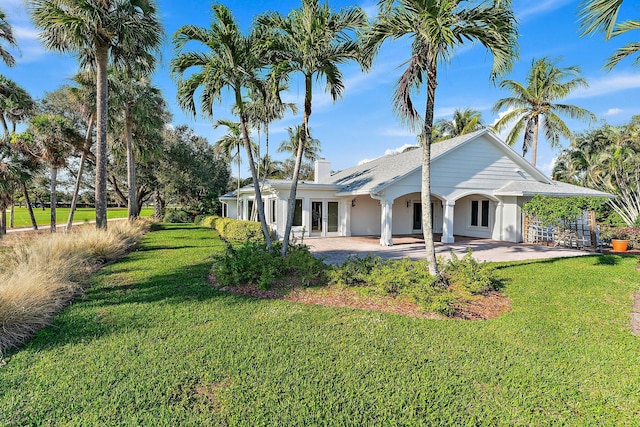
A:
[335,250]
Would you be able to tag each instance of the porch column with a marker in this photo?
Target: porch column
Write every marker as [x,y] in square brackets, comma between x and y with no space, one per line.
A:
[497,228]
[447,222]
[386,222]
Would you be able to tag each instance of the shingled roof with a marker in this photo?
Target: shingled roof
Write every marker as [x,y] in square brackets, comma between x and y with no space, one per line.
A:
[370,176]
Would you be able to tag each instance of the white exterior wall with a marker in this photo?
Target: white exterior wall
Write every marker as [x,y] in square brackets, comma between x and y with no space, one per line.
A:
[403,214]
[462,218]
[365,216]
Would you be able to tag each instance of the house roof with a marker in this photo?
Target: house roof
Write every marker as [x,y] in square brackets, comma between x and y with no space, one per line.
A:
[554,188]
[376,175]
[369,177]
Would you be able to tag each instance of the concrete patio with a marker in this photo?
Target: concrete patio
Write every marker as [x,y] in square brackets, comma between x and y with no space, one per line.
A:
[335,250]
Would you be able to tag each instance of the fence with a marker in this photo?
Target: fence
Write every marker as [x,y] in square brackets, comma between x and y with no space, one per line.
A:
[582,233]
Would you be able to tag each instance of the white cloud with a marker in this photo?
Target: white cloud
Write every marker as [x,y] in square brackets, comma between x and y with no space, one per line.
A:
[388,152]
[613,112]
[25,33]
[398,150]
[537,7]
[547,167]
[606,85]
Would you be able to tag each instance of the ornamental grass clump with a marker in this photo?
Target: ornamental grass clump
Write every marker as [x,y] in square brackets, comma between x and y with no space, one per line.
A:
[41,276]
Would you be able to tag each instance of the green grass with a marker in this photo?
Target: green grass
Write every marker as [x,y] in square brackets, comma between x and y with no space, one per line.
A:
[151,343]
[43,217]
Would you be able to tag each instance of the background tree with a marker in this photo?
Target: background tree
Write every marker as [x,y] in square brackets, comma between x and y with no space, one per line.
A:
[602,16]
[52,138]
[464,121]
[15,104]
[435,29]
[6,36]
[313,41]
[237,61]
[310,153]
[536,106]
[139,103]
[608,159]
[96,31]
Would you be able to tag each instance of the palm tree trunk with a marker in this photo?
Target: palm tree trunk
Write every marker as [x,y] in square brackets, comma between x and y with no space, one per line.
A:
[427,230]
[102,59]
[29,206]
[54,201]
[4,123]
[304,132]
[12,213]
[131,166]
[76,188]
[3,220]
[534,144]
[254,173]
[238,188]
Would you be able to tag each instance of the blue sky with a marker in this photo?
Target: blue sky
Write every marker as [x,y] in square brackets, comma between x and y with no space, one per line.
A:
[362,125]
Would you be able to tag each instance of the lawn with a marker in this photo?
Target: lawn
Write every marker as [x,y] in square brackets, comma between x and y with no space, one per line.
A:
[43,217]
[151,343]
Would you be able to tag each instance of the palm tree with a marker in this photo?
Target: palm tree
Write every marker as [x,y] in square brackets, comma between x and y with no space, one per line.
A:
[534,105]
[601,16]
[237,61]
[313,41]
[83,96]
[94,31]
[138,101]
[15,104]
[6,35]
[224,147]
[311,145]
[266,106]
[52,139]
[463,121]
[435,29]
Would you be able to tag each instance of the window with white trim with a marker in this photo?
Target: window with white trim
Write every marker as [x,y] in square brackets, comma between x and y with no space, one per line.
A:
[480,213]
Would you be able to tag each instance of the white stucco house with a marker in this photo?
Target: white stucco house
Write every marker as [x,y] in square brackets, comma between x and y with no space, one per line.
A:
[478,186]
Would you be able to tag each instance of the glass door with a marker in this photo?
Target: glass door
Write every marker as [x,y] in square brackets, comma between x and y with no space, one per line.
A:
[316,217]
[332,209]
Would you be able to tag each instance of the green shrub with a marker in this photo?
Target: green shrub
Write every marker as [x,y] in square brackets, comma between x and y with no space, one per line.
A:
[198,219]
[177,216]
[469,274]
[252,263]
[242,231]
[221,225]
[210,221]
[461,278]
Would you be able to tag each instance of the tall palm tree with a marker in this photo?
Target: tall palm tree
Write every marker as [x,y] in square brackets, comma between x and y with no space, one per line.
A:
[535,105]
[311,147]
[224,147]
[463,121]
[602,16]
[83,96]
[436,28]
[15,104]
[6,35]
[95,31]
[266,106]
[313,41]
[232,61]
[52,139]
[138,101]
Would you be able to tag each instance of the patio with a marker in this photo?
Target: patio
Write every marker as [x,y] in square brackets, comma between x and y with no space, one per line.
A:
[335,250]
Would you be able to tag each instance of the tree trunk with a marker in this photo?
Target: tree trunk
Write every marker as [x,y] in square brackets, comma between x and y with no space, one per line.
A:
[304,132]
[54,201]
[4,124]
[29,206]
[102,61]
[238,188]
[131,165]
[116,189]
[534,144]
[76,188]
[427,230]
[158,206]
[254,173]
[3,220]
[12,214]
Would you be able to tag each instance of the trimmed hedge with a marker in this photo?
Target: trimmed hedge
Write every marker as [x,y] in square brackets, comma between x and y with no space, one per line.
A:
[233,229]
